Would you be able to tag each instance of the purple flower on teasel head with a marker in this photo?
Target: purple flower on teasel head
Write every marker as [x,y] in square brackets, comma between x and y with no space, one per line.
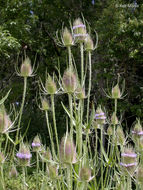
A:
[24,155]
[100,116]
[36,144]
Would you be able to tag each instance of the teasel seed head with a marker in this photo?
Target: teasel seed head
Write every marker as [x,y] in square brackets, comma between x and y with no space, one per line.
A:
[100,116]
[67,38]
[45,104]
[120,136]
[129,161]
[67,150]
[52,171]
[80,93]
[116,94]
[137,132]
[46,155]
[50,85]
[26,68]
[2,158]
[36,144]
[114,119]
[5,121]
[69,81]
[24,155]
[79,30]
[13,172]
[89,46]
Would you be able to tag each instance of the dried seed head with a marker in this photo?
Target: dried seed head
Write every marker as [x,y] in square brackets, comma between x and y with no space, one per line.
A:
[5,121]
[69,81]
[116,94]
[50,85]
[26,69]
[85,174]
[80,93]
[67,38]
[129,161]
[100,116]
[24,155]
[89,44]
[52,171]
[120,136]
[67,150]
[79,30]
[114,119]
[13,172]
[45,104]
[36,144]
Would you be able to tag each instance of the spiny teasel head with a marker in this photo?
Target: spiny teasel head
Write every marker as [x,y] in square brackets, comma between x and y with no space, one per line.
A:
[67,38]
[52,171]
[2,158]
[100,116]
[80,93]
[13,172]
[26,68]
[137,132]
[110,130]
[85,174]
[79,30]
[120,136]
[88,43]
[46,155]
[45,104]
[50,85]
[67,150]
[5,122]
[116,93]
[128,160]
[69,81]
[24,155]
[139,175]
[36,144]
[114,119]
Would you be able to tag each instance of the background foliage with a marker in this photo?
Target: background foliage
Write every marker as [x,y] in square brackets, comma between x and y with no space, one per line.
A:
[31,25]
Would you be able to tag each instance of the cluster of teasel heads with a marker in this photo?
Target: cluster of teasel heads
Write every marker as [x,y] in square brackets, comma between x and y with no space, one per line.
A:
[131,162]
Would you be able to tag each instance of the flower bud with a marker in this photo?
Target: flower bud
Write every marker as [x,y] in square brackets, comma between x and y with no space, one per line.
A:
[50,85]
[26,69]
[85,174]
[114,119]
[120,136]
[79,30]
[100,116]
[116,94]
[80,93]
[67,38]
[89,44]
[24,155]
[67,150]
[36,144]
[52,171]
[129,161]
[13,172]
[45,104]
[69,81]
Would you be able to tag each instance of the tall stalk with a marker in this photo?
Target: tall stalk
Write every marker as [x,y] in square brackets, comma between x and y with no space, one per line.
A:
[54,122]
[50,134]
[21,109]
[89,85]
[69,177]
